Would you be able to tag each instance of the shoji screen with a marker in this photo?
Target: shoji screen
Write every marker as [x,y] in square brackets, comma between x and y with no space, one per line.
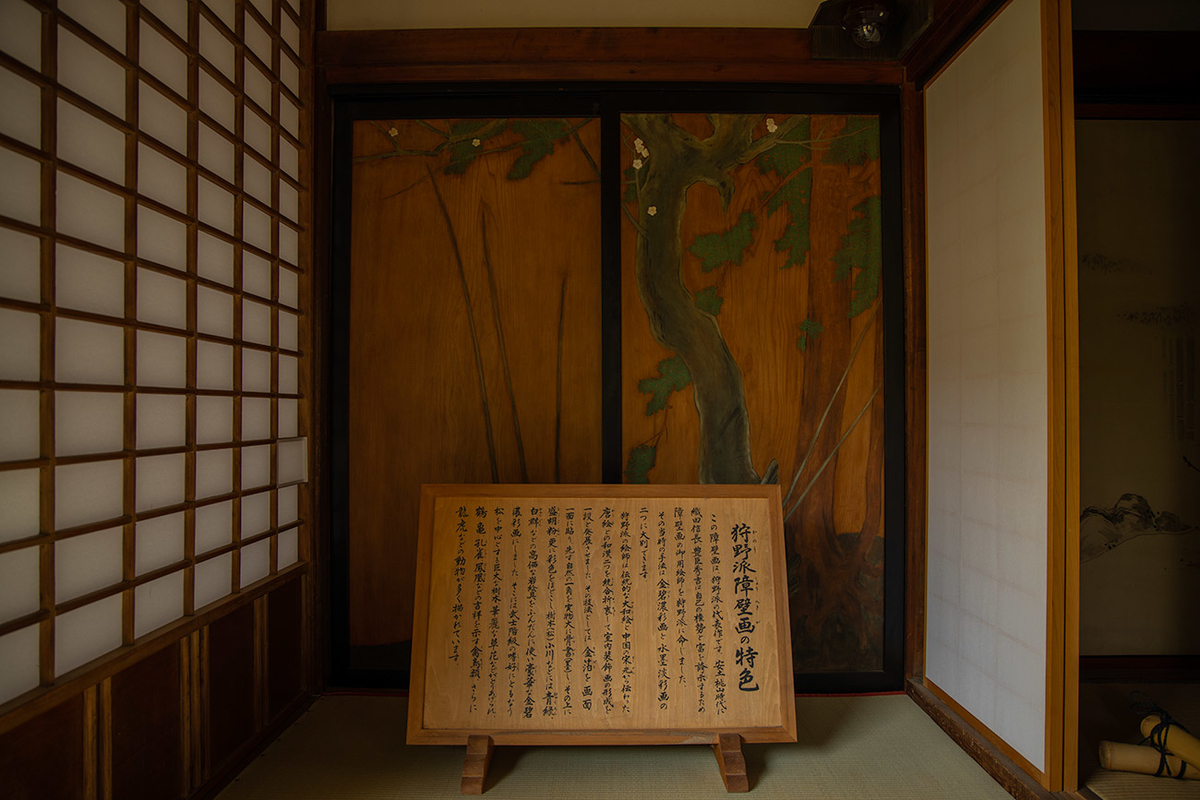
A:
[986,646]
[152,289]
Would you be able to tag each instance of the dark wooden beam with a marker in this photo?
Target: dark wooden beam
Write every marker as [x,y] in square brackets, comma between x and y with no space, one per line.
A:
[953,26]
[774,55]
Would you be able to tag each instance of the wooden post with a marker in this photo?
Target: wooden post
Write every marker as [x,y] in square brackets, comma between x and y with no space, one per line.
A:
[479,756]
[731,760]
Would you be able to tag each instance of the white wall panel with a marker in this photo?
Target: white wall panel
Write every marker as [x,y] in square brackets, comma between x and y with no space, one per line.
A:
[86,493]
[88,422]
[18,662]
[87,563]
[21,333]
[19,497]
[21,189]
[20,266]
[157,603]
[86,633]
[987,372]
[161,118]
[159,542]
[21,33]
[161,238]
[213,580]
[214,526]
[84,69]
[21,111]
[87,352]
[18,583]
[90,213]
[19,424]
[88,282]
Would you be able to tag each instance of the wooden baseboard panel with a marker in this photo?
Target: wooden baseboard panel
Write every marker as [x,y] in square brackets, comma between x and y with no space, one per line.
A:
[1003,769]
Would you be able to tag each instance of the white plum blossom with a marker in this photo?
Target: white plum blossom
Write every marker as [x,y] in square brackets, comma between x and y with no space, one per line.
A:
[637,145]
[652,210]
[393,133]
[475,143]
[637,163]
[771,126]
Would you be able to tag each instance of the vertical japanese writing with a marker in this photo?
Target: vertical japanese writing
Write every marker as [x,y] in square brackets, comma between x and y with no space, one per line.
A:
[514,616]
[460,572]
[550,697]
[681,622]
[531,653]
[745,601]
[660,610]
[626,615]
[606,605]
[718,615]
[568,612]
[697,541]
[477,606]
[644,540]
[494,608]
[589,649]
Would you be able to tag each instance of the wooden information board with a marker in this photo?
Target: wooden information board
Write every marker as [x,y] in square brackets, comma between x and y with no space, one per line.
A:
[601,614]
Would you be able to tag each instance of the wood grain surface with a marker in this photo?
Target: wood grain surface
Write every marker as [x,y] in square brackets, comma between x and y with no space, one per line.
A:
[584,623]
[446,390]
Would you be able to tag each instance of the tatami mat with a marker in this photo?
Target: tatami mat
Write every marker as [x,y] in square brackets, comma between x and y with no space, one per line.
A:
[885,747]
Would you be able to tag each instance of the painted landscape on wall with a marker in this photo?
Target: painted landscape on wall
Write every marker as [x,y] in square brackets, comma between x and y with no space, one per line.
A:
[751,336]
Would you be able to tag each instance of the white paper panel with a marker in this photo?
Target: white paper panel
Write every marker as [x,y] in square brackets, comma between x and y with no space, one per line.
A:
[214,258]
[288,417]
[21,333]
[21,189]
[289,380]
[216,48]
[256,275]
[161,178]
[21,33]
[288,331]
[213,580]
[21,111]
[216,101]
[289,201]
[289,158]
[225,10]
[293,460]
[214,366]
[256,562]
[161,239]
[215,152]
[288,548]
[88,422]
[19,497]
[258,39]
[89,142]
[214,526]
[159,481]
[105,18]
[20,267]
[87,563]
[258,86]
[289,116]
[19,417]
[256,466]
[256,227]
[214,473]
[289,244]
[289,288]
[162,421]
[289,505]
[157,603]
[290,31]
[87,352]
[214,420]
[162,119]
[90,213]
[214,312]
[214,205]
[264,8]
[159,542]
[89,72]
[87,633]
[256,370]
[19,583]
[256,322]
[161,299]
[89,282]
[289,72]
[19,662]
[257,133]
[163,60]
[986,635]
[256,514]
[86,493]
[256,418]
[257,181]
[171,12]
[161,360]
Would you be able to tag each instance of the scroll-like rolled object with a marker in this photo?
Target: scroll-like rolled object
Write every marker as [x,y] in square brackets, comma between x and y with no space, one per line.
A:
[1142,759]
[1176,740]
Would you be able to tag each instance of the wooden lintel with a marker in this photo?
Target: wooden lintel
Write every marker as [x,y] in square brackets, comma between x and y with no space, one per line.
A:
[731,760]
[475,767]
